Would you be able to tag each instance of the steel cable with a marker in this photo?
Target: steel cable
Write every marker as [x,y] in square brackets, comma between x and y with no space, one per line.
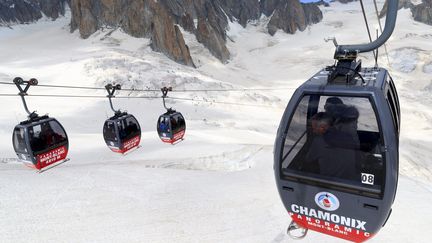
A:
[140,97]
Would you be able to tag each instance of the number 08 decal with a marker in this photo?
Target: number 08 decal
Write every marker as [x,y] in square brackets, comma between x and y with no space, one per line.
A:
[367,178]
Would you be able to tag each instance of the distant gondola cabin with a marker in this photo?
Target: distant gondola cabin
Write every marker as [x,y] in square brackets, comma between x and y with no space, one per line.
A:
[171,127]
[122,133]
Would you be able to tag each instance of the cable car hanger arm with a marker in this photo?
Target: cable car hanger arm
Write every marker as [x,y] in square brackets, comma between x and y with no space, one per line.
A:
[343,51]
[165,91]
[23,92]
[347,67]
[111,90]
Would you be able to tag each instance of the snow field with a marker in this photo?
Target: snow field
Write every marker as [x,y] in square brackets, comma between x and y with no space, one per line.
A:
[218,184]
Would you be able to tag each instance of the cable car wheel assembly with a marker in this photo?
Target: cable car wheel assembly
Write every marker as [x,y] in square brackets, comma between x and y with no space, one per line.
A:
[336,151]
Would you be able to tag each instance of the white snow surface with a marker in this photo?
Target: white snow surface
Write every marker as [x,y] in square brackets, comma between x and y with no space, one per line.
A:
[218,184]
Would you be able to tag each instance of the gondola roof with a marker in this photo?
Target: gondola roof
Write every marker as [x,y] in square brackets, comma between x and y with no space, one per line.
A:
[374,79]
[35,119]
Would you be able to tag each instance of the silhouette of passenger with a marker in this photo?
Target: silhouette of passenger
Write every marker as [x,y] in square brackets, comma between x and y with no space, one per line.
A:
[331,102]
[163,126]
[320,122]
[345,128]
[334,107]
[332,148]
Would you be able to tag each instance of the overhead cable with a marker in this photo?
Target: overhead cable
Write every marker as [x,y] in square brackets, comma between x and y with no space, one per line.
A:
[158,90]
[140,97]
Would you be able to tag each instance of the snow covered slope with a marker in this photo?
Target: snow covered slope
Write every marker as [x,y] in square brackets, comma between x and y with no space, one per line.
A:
[218,184]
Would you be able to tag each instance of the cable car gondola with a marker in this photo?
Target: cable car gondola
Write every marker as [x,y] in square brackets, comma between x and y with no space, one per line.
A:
[171,126]
[40,141]
[336,151]
[121,132]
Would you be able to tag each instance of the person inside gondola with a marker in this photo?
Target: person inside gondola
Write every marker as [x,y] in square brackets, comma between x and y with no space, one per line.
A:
[320,123]
[334,149]
[334,106]
[163,126]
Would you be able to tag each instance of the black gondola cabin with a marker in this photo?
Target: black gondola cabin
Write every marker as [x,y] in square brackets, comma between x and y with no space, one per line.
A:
[336,154]
[122,132]
[171,126]
[40,142]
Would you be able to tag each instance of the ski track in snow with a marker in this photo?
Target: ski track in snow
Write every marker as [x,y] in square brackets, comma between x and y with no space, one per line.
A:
[218,184]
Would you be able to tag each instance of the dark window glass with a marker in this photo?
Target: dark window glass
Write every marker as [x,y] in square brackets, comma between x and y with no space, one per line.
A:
[164,126]
[132,127]
[58,135]
[391,104]
[296,134]
[121,125]
[45,136]
[168,122]
[395,102]
[395,94]
[19,141]
[335,139]
[179,123]
[109,131]
[128,128]
[174,125]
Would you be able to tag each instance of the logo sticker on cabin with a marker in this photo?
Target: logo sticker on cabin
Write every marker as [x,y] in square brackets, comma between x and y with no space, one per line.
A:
[131,143]
[327,201]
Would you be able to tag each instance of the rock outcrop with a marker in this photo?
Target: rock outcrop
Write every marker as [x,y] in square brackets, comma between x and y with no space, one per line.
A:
[27,11]
[52,8]
[161,20]
[241,10]
[291,15]
[211,30]
[207,19]
[167,37]
[139,18]
[423,12]
[403,4]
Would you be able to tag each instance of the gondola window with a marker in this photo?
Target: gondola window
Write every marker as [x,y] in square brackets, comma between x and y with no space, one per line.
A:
[335,139]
